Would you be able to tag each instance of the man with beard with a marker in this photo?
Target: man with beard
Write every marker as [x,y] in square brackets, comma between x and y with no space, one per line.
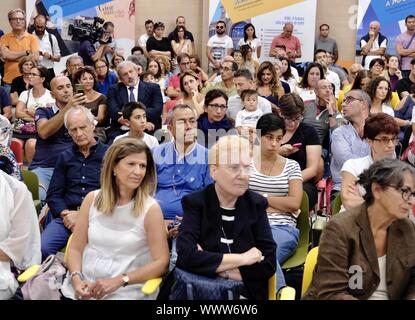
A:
[218,46]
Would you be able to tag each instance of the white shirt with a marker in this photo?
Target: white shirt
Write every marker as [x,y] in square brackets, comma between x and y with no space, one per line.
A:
[388,109]
[333,78]
[381,292]
[19,232]
[235,105]
[375,46]
[150,141]
[33,103]
[135,91]
[219,46]
[45,46]
[142,40]
[248,119]
[254,44]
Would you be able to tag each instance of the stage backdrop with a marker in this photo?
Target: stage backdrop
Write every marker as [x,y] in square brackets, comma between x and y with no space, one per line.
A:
[268,17]
[63,13]
[391,15]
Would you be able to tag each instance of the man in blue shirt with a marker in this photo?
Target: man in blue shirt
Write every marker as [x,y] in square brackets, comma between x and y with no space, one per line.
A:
[52,138]
[182,164]
[77,172]
[346,141]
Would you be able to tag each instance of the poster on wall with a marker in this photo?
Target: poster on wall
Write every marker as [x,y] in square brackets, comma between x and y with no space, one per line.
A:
[268,17]
[391,15]
[67,19]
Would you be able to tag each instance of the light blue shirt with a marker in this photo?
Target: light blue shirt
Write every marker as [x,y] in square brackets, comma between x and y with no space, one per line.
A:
[178,177]
[345,144]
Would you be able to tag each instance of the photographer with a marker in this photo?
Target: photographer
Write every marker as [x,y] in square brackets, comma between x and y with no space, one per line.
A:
[107,38]
[87,50]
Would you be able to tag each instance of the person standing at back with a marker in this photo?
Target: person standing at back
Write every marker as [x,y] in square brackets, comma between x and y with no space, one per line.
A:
[218,46]
[405,45]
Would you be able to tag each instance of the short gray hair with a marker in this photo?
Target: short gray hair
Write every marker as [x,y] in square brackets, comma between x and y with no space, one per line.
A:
[74,57]
[385,172]
[169,119]
[125,64]
[364,96]
[139,61]
[17,10]
[87,113]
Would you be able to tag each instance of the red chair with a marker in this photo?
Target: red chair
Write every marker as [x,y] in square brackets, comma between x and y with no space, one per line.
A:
[17,148]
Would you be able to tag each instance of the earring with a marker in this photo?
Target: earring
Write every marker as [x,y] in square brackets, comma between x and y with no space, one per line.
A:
[115,174]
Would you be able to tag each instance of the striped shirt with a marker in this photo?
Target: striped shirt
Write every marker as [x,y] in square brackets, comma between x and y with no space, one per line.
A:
[227,222]
[277,186]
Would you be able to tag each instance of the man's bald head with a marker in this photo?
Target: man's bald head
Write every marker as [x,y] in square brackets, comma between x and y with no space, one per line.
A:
[61,89]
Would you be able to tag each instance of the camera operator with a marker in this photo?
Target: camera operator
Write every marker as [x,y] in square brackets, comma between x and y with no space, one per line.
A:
[87,49]
[108,38]
[49,47]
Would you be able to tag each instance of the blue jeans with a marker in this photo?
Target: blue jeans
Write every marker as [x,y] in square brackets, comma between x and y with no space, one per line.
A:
[54,237]
[286,238]
[44,175]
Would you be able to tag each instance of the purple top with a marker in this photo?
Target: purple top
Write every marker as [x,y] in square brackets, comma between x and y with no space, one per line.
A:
[403,39]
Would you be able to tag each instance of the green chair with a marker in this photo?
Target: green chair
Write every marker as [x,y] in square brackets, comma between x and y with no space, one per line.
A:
[336,204]
[31,181]
[303,224]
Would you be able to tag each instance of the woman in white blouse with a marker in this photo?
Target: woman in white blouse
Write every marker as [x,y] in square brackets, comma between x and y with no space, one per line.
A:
[19,233]
[251,39]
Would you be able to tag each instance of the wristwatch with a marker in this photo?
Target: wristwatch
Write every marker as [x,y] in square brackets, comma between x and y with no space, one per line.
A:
[77,273]
[331,115]
[27,52]
[126,279]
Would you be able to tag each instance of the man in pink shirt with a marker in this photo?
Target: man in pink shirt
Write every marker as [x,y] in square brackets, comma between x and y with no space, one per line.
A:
[292,43]
[405,45]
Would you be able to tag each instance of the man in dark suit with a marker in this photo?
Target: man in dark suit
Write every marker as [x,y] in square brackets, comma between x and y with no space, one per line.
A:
[131,89]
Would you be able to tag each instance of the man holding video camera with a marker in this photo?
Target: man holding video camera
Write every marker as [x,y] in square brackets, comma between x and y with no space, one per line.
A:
[89,52]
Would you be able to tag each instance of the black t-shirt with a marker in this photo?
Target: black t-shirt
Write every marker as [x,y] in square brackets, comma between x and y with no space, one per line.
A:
[307,136]
[404,84]
[159,45]
[18,85]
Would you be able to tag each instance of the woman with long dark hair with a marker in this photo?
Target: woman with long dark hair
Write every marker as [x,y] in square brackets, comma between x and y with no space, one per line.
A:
[251,39]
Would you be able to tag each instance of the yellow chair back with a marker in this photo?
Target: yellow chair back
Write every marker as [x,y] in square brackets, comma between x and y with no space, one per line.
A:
[309,265]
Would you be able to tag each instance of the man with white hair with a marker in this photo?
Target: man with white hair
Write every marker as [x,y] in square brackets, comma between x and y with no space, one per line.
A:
[131,89]
[373,44]
[77,172]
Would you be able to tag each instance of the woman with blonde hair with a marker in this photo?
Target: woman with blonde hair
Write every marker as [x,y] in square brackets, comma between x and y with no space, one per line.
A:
[225,230]
[119,240]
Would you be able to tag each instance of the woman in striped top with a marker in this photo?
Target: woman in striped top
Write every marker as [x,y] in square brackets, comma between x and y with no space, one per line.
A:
[280,181]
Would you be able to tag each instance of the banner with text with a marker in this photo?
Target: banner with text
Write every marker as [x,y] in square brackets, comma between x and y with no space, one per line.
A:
[268,17]
[66,15]
[391,15]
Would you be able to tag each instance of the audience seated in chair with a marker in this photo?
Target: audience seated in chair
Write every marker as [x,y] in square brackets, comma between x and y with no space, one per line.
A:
[76,173]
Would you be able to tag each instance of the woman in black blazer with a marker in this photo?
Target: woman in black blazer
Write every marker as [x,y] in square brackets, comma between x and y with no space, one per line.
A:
[225,230]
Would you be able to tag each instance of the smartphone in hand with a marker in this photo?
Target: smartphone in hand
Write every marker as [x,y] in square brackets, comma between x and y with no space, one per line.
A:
[79,88]
[297,145]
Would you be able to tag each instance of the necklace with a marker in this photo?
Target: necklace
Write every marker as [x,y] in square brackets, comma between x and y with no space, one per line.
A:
[270,170]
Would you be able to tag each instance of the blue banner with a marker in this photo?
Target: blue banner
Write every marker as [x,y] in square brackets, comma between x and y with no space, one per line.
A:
[70,7]
[390,13]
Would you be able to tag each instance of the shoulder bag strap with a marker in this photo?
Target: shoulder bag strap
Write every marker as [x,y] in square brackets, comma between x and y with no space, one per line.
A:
[410,41]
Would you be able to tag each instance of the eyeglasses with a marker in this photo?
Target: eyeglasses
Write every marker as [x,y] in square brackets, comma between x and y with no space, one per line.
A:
[238,169]
[34,74]
[16,19]
[406,193]
[385,140]
[221,107]
[297,119]
[226,69]
[350,99]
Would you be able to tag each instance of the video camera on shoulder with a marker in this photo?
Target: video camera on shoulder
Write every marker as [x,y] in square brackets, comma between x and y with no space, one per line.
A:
[93,31]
